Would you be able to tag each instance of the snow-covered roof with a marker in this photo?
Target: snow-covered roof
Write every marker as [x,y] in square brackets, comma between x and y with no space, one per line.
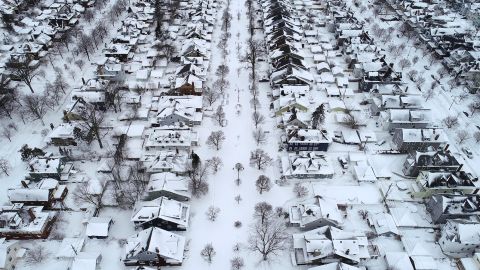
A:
[384,224]
[309,211]
[69,247]
[168,245]
[328,241]
[86,261]
[398,260]
[163,208]
[162,137]
[98,227]
[169,182]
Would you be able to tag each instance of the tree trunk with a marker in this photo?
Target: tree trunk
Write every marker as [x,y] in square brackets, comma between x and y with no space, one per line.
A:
[97,134]
[29,84]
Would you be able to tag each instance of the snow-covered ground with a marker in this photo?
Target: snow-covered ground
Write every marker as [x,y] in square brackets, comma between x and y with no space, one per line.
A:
[222,233]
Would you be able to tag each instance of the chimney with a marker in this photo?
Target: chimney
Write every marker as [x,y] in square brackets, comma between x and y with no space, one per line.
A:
[24,184]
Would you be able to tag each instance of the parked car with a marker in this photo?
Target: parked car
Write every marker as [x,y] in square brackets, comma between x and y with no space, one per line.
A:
[343,162]
[467,152]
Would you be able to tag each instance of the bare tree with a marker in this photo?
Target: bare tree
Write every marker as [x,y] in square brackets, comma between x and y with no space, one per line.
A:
[263,183]
[318,116]
[91,120]
[268,238]
[238,198]
[259,136]
[212,213]
[197,179]
[84,193]
[474,106]
[260,159]
[255,49]
[257,118]
[208,252]
[462,136]
[215,139]
[263,211]
[476,136]
[237,263]
[300,190]
[85,44]
[350,121]
[222,71]
[404,63]
[36,105]
[429,94]
[25,73]
[7,133]
[5,167]
[238,167]
[36,255]
[215,163]
[450,121]
[211,94]
[219,116]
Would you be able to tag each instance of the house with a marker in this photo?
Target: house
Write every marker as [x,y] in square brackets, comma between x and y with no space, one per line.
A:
[46,167]
[440,160]
[398,260]
[404,118]
[190,84]
[291,75]
[163,213]
[178,110]
[307,140]
[387,102]
[446,182]
[64,16]
[98,227]
[111,70]
[25,222]
[384,224]
[170,139]
[63,135]
[382,76]
[168,185]
[46,192]
[10,251]
[86,261]
[164,161]
[306,165]
[120,51]
[460,238]
[154,246]
[443,207]
[69,247]
[408,139]
[315,213]
[329,244]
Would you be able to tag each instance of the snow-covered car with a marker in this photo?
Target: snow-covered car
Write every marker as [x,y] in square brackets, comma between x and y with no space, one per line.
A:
[343,162]
[467,152]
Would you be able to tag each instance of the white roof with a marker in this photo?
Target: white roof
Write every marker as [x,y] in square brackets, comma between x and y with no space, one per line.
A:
[168,245]
[398,261]
[85,261]
[69,247]
[98,226]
